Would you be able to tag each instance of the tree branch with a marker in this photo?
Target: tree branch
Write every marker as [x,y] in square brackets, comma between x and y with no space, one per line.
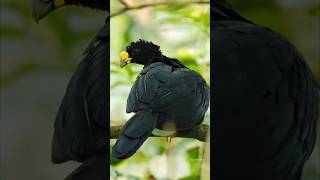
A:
[124,3]
[199,132]
[171,3]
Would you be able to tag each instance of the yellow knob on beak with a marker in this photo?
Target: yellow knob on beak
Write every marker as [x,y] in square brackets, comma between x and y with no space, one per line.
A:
[124,59]
[124,55]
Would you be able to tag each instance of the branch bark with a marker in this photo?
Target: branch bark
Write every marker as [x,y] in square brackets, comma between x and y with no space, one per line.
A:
[171,3]
[199,132]
[124,3]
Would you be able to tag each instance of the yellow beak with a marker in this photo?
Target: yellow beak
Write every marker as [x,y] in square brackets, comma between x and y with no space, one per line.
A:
[124,59]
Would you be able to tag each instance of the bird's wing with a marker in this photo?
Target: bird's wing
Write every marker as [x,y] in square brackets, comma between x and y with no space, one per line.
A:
[82,119]
[265,102]
[176,93]
[159,85]
[151,84]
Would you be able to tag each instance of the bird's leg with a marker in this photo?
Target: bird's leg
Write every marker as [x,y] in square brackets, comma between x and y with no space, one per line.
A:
[169,143]
[169,138]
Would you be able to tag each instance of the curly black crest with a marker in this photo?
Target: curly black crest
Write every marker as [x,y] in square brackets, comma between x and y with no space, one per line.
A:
[142,44]
[144,52]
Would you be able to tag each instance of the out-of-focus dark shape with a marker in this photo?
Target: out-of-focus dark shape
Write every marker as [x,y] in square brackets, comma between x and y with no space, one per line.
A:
[265,101]
[81,124]
[41,8]
[82,121]
[95,168]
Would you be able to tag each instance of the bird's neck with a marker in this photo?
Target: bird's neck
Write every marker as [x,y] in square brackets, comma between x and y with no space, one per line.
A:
[164,59]
[153,59]
[173,62]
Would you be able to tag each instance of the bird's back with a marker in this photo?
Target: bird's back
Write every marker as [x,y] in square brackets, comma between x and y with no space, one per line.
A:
[178,94]
[265,103]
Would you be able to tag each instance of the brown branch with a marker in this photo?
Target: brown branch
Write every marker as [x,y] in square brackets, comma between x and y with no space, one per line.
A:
[130,8]
[124,3]
[198,132]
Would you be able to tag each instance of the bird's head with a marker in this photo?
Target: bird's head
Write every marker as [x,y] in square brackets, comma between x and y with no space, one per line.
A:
[41,8]
[140,52]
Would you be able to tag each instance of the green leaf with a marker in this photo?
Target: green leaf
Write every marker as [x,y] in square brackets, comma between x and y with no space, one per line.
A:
[193,153]
[194,162]
[114,161]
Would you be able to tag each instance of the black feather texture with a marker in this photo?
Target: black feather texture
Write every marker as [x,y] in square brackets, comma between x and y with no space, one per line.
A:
[142,44]
[134,133]
[265,103]
[146,52]
[82,119]
[162,94]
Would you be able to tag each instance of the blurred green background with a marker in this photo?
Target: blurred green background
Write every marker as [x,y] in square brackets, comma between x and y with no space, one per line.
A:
[37,62]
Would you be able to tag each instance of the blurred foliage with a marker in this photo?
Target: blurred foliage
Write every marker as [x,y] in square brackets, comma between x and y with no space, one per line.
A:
[53,46]
[182,32]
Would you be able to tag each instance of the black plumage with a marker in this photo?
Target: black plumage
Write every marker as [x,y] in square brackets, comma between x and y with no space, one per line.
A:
[265,101]
[82,119]
[165,91]
[82,122]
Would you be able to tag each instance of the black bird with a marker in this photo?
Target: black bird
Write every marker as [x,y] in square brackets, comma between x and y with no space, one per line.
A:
[265,101]
[81,124]
[165,91]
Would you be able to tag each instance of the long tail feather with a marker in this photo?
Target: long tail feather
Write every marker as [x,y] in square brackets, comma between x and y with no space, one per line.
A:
[134,133]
